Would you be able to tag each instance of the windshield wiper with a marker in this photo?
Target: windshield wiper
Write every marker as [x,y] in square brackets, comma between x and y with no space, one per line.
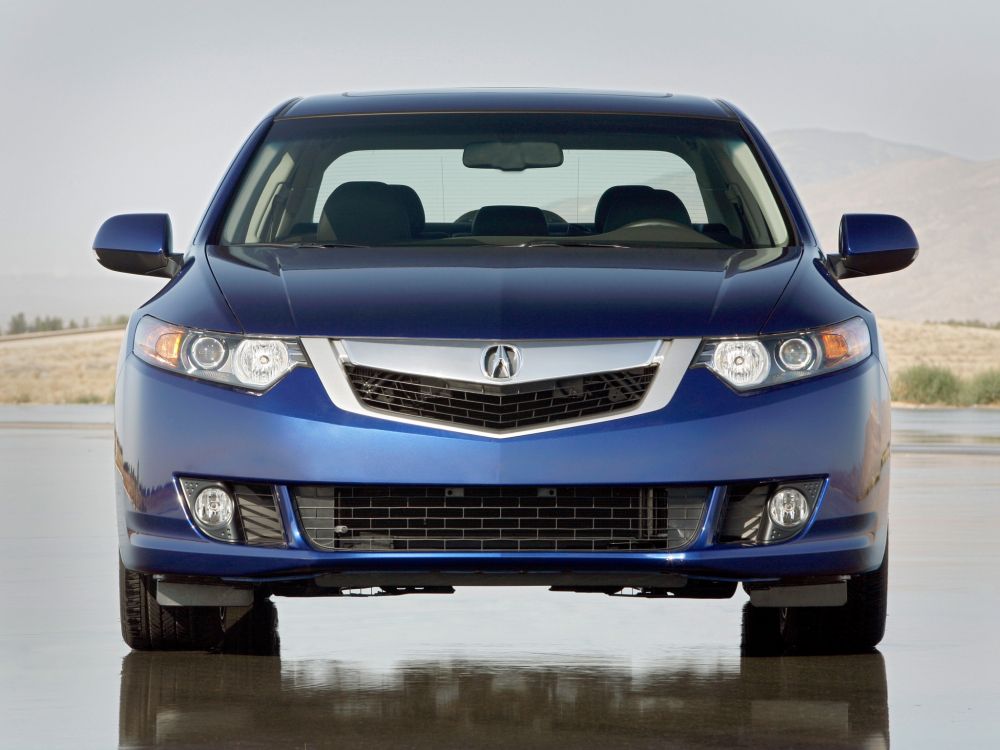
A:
[298,245]
[573,243]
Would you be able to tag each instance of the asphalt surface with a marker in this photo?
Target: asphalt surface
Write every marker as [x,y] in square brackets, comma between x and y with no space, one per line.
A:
[496,668]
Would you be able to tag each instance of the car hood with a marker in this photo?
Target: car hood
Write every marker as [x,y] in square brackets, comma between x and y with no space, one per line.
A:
[501,292]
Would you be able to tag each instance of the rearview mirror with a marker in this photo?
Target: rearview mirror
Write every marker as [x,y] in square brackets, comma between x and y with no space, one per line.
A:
[510,156]
[136,243]
[873,243]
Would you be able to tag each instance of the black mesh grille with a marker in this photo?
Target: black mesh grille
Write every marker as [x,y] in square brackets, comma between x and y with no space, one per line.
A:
[741,523]
[499,407]
[261,520]
[395,517]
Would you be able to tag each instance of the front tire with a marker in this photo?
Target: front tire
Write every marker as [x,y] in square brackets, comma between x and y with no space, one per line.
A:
[148,626]
[761,634]
[857,627]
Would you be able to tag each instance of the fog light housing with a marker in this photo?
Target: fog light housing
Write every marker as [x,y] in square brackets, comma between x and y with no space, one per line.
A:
[213,508]
[788,508]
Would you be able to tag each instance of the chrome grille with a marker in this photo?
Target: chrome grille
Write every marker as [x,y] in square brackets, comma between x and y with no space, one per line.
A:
[512,518]
[499,407]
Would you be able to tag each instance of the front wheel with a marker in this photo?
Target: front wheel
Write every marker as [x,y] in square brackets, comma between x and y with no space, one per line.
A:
[149,626]
[857,627]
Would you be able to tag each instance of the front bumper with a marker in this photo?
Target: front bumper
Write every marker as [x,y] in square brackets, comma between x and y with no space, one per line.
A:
[835,426]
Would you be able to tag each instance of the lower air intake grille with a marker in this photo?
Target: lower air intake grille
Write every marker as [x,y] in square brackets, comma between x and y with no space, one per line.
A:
[744,517]
[500,407]
[261,520]
[404,517]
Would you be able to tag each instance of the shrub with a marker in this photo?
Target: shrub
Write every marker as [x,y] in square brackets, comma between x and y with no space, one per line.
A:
[984,388]
[18,324]
[88,398]
[965,323]
[926,384]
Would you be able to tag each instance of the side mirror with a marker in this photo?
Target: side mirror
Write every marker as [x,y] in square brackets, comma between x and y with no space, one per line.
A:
[873,243]
[136,243]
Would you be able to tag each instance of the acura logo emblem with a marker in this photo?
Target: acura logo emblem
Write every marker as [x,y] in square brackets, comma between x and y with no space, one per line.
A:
[501,361]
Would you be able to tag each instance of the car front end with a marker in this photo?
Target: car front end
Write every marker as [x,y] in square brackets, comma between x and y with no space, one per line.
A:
[653,401]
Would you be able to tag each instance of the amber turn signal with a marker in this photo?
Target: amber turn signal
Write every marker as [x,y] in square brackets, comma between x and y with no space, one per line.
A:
[160,341]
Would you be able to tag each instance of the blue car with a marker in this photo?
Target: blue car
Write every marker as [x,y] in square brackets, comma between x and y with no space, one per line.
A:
[581,340]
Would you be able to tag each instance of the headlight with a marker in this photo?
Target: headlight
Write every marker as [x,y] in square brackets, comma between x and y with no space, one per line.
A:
[250,362]
[751,363]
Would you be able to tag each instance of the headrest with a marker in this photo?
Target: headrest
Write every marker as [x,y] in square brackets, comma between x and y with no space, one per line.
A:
[655,204]
[364,212]
[510,221]
[414,207]
[613,195]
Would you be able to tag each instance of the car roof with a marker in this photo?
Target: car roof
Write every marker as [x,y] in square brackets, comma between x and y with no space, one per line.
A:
[504,100]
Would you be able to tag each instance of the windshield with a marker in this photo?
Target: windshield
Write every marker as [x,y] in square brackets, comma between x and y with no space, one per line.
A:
[519,179]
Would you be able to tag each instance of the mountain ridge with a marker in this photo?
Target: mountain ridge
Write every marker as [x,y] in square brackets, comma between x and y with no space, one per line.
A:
[812,155]
[949,201]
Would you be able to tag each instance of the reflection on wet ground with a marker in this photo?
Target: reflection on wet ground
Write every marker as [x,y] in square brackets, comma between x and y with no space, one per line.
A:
[193,700]
[486,668]
[946,431]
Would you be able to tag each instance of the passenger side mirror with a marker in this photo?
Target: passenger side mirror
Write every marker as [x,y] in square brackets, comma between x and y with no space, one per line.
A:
[136,243]
[873,243]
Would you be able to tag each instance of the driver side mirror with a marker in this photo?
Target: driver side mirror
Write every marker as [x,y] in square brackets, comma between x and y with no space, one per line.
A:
[873,243]
[137,243]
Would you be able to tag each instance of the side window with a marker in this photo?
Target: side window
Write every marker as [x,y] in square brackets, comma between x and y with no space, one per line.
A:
[258,209]
[749,171]
[268,212]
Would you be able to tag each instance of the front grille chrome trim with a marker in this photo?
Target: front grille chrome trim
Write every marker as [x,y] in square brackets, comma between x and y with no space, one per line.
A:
[562,359]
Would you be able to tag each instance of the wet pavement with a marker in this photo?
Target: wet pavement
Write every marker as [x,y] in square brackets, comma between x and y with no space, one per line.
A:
[518,668]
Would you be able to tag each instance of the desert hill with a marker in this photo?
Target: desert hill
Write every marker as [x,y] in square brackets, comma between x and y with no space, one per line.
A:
[953,205]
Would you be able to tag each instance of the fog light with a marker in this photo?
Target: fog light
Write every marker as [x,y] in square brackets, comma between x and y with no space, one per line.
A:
[213,507]
[788,508]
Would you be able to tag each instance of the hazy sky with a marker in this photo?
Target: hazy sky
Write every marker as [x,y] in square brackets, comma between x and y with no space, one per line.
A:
[110,107]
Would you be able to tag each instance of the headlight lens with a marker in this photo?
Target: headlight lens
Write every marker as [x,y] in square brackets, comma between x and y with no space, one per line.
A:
[751,363]
[253,363]
[207,352]
[743,363]
[260,361]
[795,354]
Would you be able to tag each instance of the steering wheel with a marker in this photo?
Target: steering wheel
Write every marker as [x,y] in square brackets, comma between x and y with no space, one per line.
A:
[646,223]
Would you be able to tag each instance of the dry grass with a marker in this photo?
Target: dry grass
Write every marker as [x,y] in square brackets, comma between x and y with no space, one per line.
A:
[964,350]
[71,369]
[80,368]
